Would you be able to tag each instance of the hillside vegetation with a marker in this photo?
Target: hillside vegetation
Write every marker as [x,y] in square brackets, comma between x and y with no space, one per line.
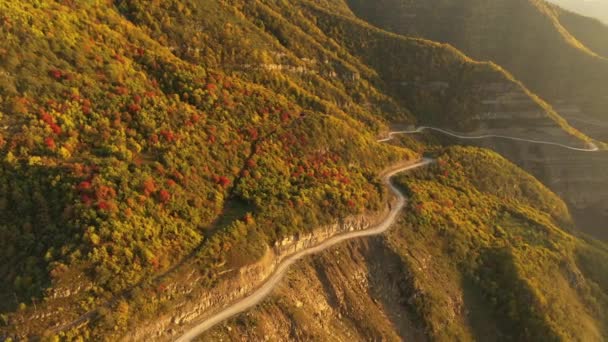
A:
[147,142]
[323,53]
[120,159]
[501,271]
[509,256]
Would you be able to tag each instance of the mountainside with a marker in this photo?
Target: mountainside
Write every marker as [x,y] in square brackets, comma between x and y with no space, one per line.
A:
[318,45]
[499,272]
[558,54]
[121,160]
[526,37]
[155,152]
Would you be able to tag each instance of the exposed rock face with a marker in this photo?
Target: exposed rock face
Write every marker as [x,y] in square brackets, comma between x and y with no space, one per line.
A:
[354,291]
[581,179]
[239,283]
[509,110]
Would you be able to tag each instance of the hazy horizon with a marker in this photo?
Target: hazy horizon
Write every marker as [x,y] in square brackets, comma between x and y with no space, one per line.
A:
[592,8]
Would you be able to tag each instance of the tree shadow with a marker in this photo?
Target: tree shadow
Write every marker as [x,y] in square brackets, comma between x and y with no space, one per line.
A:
[35,204]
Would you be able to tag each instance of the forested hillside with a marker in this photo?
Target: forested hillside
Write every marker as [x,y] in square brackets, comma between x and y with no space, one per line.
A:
[521,277]
[326,53]
[121,159]
[144,143]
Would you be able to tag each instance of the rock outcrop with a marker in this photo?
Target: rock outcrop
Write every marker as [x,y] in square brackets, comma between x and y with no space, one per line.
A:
[354,291]
[238,283]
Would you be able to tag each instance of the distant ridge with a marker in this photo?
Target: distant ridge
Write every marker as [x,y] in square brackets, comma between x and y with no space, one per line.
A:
[559,55]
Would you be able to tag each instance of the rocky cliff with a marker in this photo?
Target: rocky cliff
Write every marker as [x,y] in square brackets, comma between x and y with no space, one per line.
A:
[356,291]
[194,304]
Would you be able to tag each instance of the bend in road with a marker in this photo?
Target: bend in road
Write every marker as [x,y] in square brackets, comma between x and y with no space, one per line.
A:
[592,146]
[263,291]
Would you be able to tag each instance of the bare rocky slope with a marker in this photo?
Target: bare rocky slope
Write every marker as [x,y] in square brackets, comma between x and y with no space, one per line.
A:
[347,293]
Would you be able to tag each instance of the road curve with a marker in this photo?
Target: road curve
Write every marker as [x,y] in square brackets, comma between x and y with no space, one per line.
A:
[258,295]
[263,291]
[592,146]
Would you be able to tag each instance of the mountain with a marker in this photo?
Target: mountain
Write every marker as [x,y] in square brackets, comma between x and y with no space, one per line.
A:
[559,55]
[161,157]
[526,37]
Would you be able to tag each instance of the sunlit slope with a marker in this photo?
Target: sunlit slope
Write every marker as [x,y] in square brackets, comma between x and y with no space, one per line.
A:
[520,276]
[146,138]
[119,159]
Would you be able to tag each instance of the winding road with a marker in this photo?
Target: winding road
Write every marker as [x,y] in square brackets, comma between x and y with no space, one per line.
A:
[264,290]
[592,146]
